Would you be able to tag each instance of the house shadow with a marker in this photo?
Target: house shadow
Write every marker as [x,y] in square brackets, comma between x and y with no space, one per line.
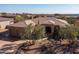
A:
[10,39]
[8,49]
[5,36]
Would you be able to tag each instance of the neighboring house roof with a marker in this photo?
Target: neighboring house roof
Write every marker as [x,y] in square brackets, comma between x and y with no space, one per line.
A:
[6,19]
[41,20]
[8,15]
[19,24]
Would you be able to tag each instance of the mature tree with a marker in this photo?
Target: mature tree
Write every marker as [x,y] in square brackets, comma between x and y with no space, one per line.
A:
[18,18]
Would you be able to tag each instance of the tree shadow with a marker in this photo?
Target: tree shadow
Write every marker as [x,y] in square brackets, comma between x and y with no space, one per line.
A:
[10,39]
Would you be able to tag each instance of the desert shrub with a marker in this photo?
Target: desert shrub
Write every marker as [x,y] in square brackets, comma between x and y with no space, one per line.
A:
[63,33]
[70,20]
[39,32]
[69,32]
[72,32]
[31,32]
[56,32]
[27,33]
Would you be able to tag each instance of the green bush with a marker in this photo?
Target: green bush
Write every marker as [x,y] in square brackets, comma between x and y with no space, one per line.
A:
[31,32]
[39,32]
[56,32]
[70,20]
[69,32]
[63,33]
[18,18]
[27,33]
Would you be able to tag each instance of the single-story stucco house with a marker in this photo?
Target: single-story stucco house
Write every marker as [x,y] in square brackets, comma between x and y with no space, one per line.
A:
[47,22]
[5,21]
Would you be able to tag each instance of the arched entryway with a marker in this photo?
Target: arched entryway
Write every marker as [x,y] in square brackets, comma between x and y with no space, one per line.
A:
[48,30]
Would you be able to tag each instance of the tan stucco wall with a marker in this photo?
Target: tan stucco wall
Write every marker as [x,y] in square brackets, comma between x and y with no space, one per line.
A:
[14,31]
[3,24]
